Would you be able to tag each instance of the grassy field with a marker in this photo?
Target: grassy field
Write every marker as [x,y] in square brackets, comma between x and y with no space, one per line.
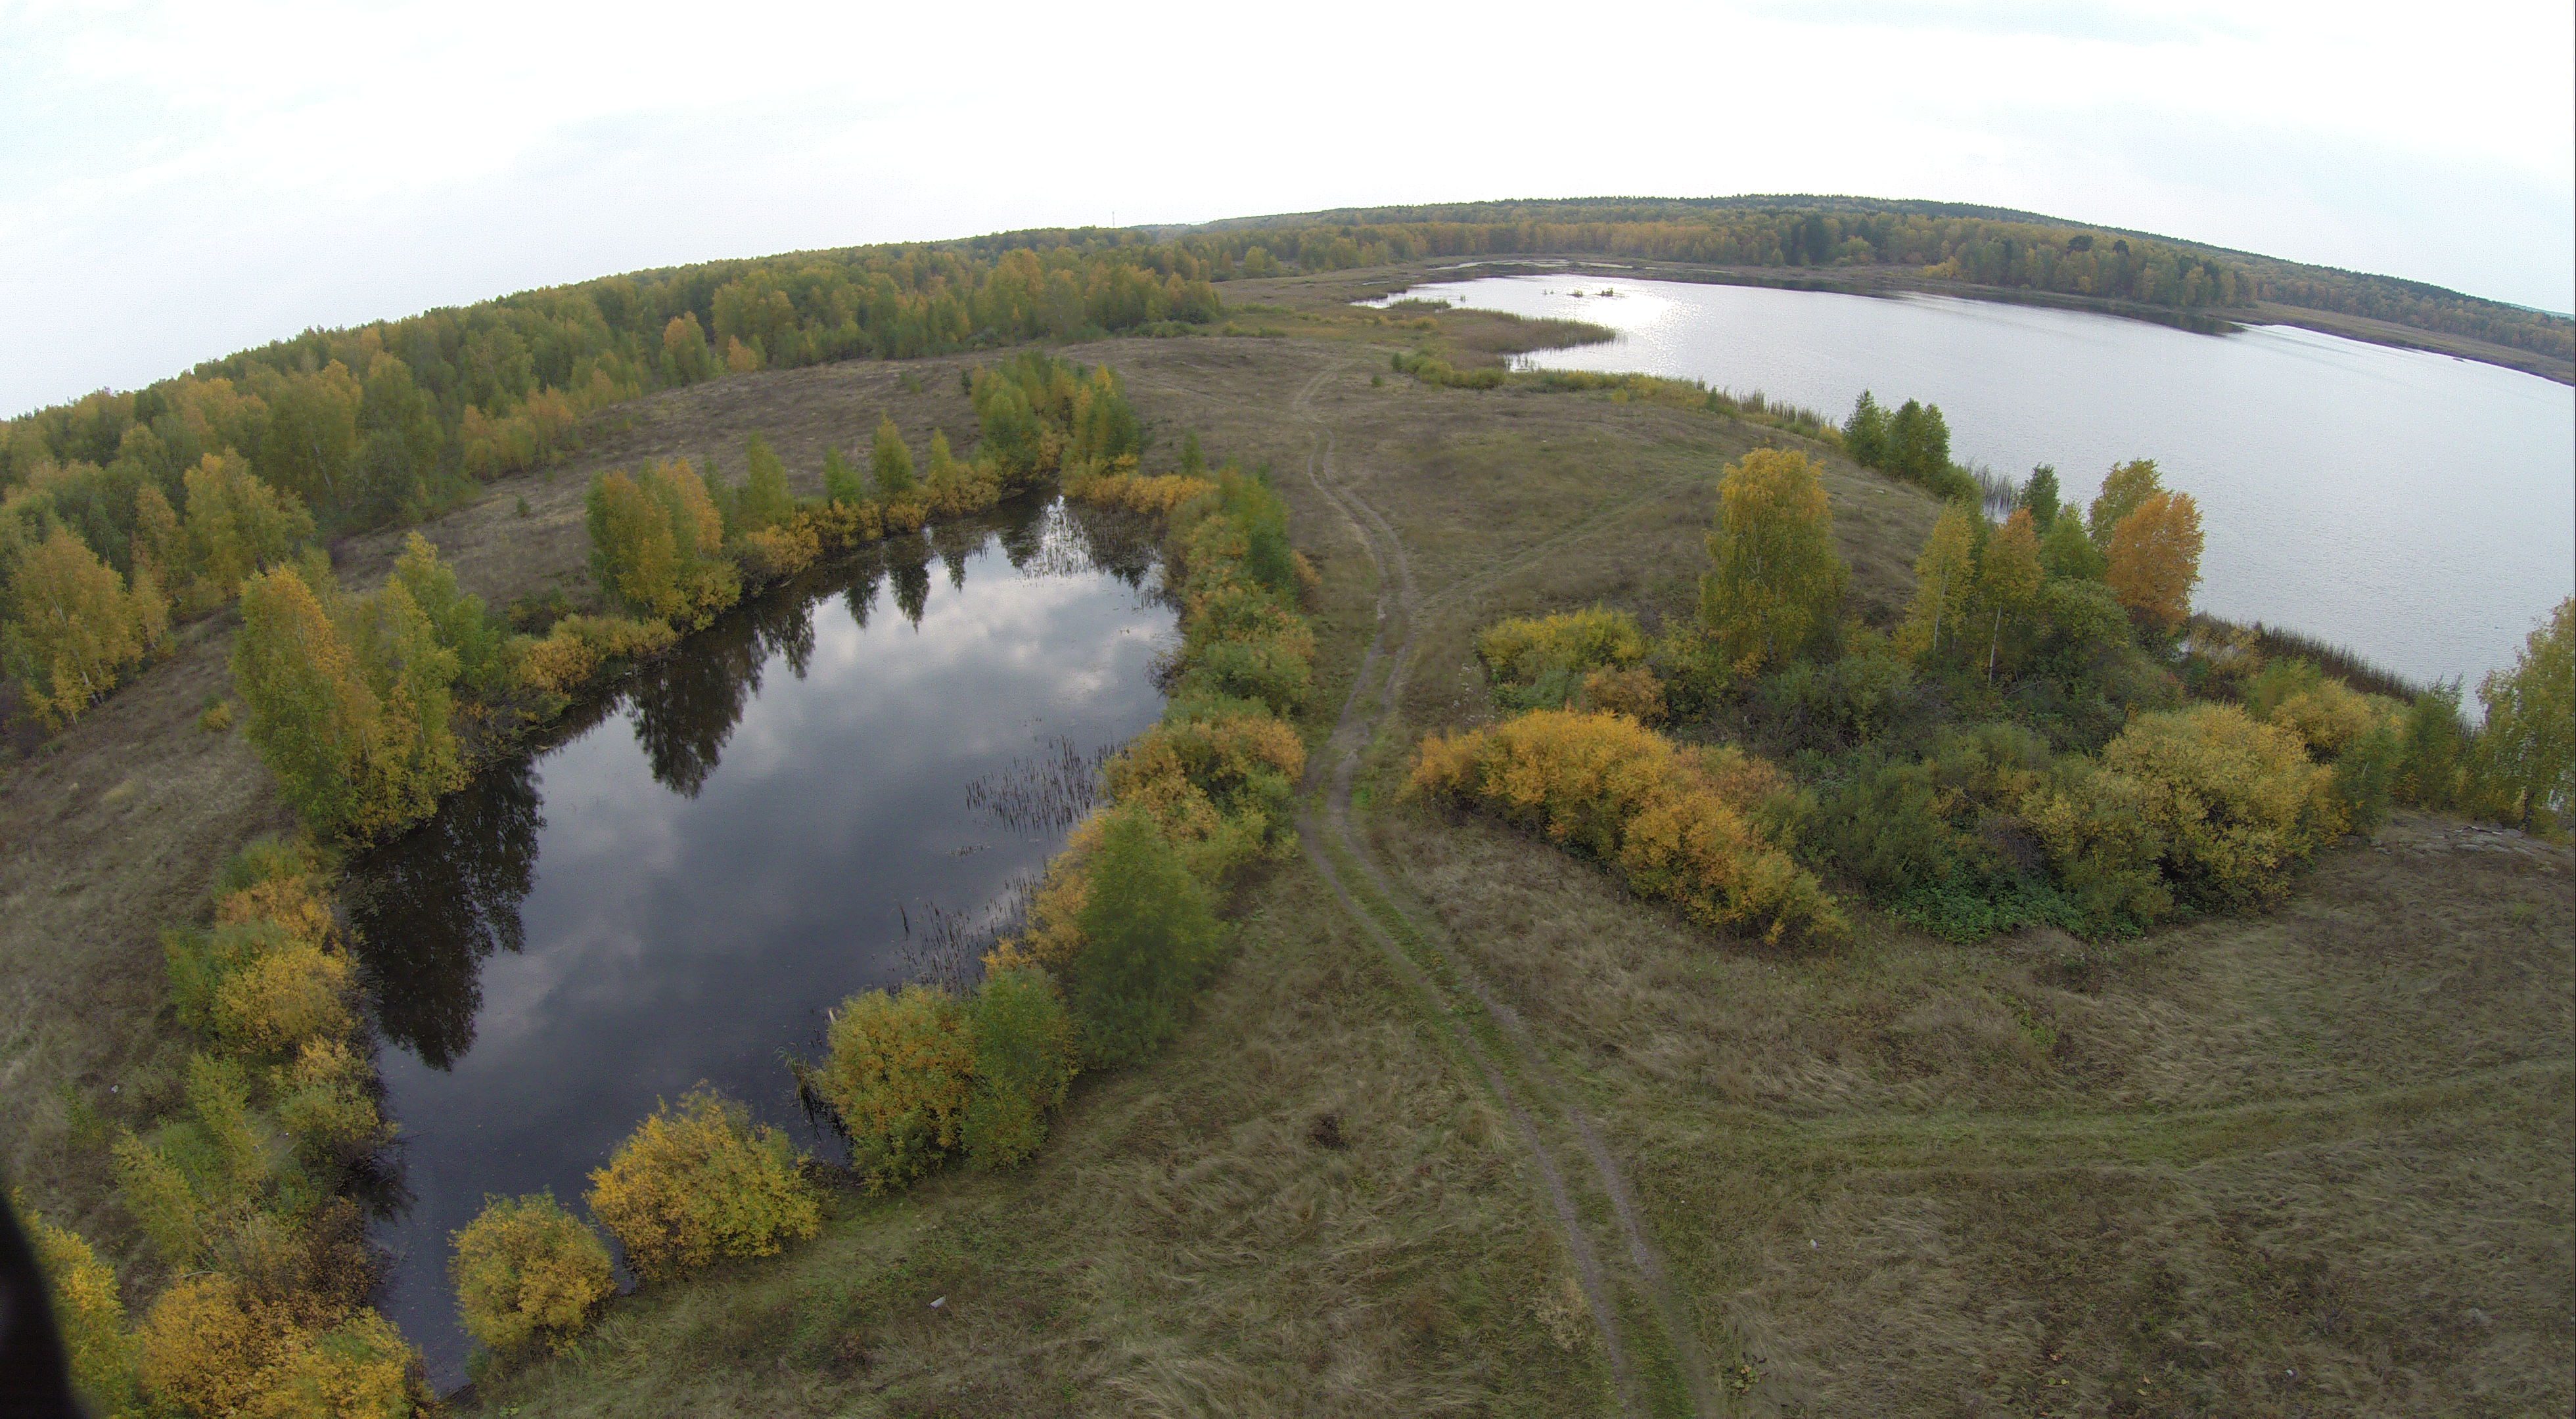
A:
[1466,1129]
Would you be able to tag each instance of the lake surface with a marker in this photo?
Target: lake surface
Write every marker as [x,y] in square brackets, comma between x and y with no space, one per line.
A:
[840,783]
[2417,508]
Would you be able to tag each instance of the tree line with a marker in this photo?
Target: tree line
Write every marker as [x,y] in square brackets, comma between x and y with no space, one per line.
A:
[369,709]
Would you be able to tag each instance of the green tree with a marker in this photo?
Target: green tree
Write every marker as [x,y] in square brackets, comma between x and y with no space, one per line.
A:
[1865,433]
[465,627]
[311,446]
[2528,750]
[400,441]
[2124,489]
[2008,582]
[1778,582]
[2041,497]
[890,464]
[841,482]
[633,555]
[412,757]
[1193,459]
[1148,936]
[765,499]
[1918,444]
[1026,1050]
[2067,553]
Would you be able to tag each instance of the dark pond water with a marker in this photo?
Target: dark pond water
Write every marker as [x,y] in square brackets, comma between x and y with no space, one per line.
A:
[822,793]
[2418,508]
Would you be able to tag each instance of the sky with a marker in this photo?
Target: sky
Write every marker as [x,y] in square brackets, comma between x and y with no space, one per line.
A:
[178,181]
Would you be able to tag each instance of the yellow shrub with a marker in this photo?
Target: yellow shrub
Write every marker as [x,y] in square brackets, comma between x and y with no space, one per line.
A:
[769,553]
[358,1369]
[1634,692]
[689,1187]
[1219,787]
[87,1313]
[1519,651]
[324,1103]
[578,646]
[2330,715]
[289,902]
[527,1271]
[2237,803]
[1135,492]
[1053,936]
[896,1071]
[1626,795]
[2103,843]
[204,1352]
[279,1001]
[162,1203]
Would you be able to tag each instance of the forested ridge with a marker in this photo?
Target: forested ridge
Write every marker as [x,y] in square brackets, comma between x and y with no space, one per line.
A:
[1992,245]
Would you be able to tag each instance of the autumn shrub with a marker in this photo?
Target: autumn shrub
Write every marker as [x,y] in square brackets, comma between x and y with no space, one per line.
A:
[2325,713]
[1539,662]
[1610,787]
[1027,1048]
[527,1273]
[2102,845]
[2434,748]
[700,1183]
[211,1347]
[896,1071]
[326,1102]
[284,998]
[578,648]
[2237,803]
[1127,489]
[89,1315]
[1634,692]
[1217,776]
[769,554]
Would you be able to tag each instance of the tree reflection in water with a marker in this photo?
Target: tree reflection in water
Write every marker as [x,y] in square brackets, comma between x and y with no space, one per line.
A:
[431,906]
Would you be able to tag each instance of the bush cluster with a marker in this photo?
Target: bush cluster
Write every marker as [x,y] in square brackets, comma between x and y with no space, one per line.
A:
[1627,796]
[241,1188]
[528,1273]
[699,1184]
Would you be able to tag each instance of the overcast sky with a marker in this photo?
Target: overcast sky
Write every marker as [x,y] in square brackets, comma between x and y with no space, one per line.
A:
[181,180]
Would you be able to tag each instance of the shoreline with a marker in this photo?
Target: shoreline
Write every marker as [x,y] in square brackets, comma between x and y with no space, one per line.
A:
[1888,281]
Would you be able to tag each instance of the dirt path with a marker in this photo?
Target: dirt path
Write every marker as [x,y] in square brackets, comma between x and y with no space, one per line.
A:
[1540,1092]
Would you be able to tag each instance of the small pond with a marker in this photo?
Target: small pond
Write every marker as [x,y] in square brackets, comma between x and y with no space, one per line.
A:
[844,783]
[2417,508]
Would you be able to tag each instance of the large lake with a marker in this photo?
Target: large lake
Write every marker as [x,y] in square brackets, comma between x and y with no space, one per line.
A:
[826,791]
[2417,508]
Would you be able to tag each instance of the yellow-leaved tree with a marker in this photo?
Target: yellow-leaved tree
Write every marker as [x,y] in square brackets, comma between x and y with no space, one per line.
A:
[1945,585]
[2008,582]
[1778,583]
[75,628]
[2155,559]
